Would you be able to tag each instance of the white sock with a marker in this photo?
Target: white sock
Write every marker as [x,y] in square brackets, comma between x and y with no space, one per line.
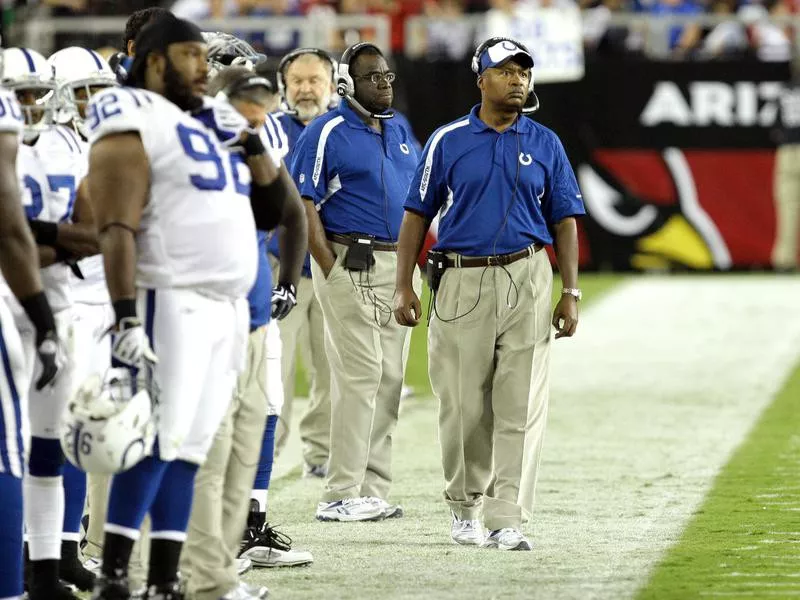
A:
[260,496]
[44,516]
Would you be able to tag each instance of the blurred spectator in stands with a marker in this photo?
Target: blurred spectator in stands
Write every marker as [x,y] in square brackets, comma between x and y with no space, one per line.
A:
[601,37]
[682,39]
[448,36]
[347,36]
[770,40]
[727,39]
[398,11]
[274,41]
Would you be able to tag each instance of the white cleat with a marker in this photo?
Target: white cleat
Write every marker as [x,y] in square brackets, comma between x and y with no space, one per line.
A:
[507,539]
[390,511]
[467,532]
[349,509]
[243,565]
[271,548]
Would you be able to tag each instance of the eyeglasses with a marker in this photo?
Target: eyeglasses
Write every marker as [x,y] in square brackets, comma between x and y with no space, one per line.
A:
[376,78]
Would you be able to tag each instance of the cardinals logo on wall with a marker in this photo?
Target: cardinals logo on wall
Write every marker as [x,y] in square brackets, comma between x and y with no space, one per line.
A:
[677,172]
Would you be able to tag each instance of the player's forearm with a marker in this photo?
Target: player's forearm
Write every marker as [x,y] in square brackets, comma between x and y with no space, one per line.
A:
[566,248]
[262,169]
[119,258]
[79,239]
[292,236]
[409,245]
[318,243]
[16,250]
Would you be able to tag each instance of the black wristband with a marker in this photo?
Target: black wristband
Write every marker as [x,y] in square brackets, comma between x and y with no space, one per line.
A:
[253,145]
[124,309]
[38,310]
[44,232]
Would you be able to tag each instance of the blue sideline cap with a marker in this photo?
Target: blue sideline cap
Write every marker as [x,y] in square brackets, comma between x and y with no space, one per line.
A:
[500,53]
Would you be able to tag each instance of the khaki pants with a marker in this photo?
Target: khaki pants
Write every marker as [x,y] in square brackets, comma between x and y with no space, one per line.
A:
[787,206]
[97,489]
[489,370]
[304,328]
[224,482]
[367,352]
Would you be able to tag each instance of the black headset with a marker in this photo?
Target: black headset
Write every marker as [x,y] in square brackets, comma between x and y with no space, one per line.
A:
[289,59]
[532,102]
[346,87]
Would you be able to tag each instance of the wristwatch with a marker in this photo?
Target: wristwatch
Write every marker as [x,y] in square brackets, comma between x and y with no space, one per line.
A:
[572,292]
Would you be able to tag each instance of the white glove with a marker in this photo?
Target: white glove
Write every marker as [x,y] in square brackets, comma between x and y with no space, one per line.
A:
[130,346]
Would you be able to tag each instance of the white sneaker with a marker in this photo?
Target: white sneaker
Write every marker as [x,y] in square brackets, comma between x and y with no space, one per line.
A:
[349,509]
[507,539]
[244,591]
[243,565]
[467,532]
[93,564]
[390,511]
[271,548]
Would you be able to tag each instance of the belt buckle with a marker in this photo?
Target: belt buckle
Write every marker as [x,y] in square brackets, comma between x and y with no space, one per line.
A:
[493,261]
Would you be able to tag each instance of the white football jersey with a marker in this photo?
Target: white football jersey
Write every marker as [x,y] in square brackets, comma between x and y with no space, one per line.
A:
[11,121]
[49,172]
[197,229]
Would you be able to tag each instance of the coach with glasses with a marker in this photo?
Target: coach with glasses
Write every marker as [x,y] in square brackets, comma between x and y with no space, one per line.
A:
[353,166]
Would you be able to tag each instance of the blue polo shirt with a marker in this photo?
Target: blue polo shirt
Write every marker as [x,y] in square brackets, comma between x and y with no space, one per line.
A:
[472,176]
[292,127]
[358,178]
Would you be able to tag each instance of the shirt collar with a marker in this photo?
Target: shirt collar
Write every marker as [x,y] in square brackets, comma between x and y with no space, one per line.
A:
[522,124]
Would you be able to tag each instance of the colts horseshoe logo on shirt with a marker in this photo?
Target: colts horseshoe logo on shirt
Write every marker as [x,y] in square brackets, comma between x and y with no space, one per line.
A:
[525,159]
[404,149]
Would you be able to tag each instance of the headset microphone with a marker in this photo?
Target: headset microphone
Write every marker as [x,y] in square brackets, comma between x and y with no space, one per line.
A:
[346,87]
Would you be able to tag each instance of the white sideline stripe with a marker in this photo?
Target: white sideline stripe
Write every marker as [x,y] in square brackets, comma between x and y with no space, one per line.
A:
[648,402]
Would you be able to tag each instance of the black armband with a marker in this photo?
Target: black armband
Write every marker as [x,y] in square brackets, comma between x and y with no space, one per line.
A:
[253,145]
[44,232]
[39,312]
[124,309]
[267,202]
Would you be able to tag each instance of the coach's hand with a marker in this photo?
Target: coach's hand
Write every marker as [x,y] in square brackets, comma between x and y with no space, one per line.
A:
[130,346]
[565,316]
[284,299]
[407,307]
[47,350]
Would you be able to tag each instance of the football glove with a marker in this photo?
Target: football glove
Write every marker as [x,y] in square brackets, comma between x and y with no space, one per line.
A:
[284,299]
[130,346]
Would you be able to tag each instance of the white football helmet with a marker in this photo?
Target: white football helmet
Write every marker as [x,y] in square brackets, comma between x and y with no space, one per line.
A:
[79,73]
[226,50]
[27,73]
[108,427]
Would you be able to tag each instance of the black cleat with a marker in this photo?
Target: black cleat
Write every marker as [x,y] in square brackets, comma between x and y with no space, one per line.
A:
[72,571]
[106,588]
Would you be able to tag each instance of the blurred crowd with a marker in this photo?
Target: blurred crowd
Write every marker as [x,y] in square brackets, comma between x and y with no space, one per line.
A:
[743,27]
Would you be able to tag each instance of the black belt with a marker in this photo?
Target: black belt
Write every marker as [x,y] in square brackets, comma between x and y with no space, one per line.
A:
[349,240]
[498,260]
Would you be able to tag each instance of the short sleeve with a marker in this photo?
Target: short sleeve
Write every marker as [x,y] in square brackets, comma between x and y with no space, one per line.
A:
[11,119]
[313,164]
[427,191]
[275,140]
[563,198]
[116,110]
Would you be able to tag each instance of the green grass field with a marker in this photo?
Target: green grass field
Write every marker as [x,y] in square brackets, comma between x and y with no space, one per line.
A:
[745,539]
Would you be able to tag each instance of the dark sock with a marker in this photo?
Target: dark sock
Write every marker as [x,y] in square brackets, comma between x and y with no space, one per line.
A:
[117,551]
[164,558]
[43,573]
